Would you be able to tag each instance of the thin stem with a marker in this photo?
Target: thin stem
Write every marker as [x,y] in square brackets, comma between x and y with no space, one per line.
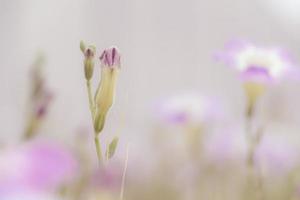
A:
[31,128]
[99,151]
[124,174]
[93,110]
[253,142]
[91,102]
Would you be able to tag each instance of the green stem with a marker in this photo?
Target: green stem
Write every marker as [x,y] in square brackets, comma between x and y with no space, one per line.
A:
[99,151]
[255,179]
[124,174]
[91,102]
[93,110]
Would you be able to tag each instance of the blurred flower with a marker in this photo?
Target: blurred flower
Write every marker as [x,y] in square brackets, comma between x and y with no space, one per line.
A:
[258,66]
[110,61]
[42,105]
[255,63]
[36,166]
[189,108]
[41,97]
[191,113]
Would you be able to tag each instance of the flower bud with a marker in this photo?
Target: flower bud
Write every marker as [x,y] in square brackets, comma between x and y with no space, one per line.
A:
[110,60]
[43,105]
[88,68]
[82,46]
[89,54]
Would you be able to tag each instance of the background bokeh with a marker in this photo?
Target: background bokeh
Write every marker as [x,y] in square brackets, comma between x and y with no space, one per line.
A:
[166,45]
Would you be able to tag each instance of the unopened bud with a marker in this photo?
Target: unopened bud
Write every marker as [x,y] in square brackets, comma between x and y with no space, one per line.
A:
[104,97]
[99,122]
[88,68]
[111,58]
[111,149]
[82,46]
[89,54]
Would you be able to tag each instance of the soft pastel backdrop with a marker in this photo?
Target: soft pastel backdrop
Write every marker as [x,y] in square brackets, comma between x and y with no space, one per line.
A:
[167,46]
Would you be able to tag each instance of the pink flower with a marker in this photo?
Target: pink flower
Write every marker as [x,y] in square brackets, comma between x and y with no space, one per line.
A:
[111,58]
[256,63]
[188,108]
[36,166]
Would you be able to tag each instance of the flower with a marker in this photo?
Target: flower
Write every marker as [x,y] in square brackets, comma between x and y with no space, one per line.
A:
[255,63]
[188,108]
[110,62]
[258,66]
[35,166]
[41,98]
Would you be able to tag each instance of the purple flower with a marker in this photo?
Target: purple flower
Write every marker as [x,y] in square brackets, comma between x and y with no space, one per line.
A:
[189,108]
[255,63]
[111,58]
[36,166]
